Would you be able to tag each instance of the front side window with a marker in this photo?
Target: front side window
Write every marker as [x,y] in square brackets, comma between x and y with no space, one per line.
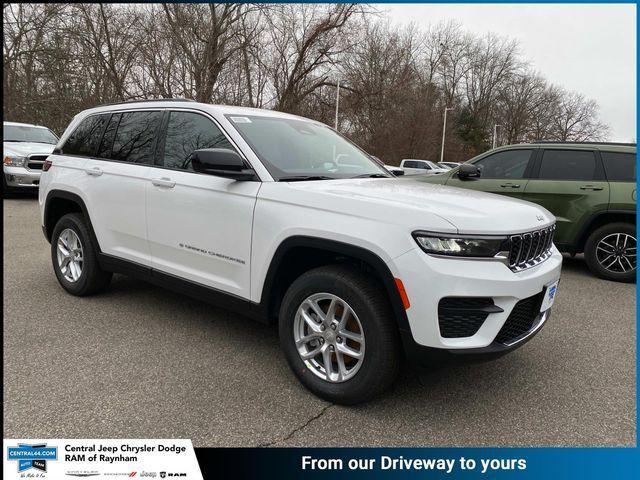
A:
[186,133]
[291,148]
[25,133]
[505,164]
[568,165]
[619,167]
[84,139]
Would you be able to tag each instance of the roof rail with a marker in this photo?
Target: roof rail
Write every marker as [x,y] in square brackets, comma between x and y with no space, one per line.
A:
[622,144]
[148,100]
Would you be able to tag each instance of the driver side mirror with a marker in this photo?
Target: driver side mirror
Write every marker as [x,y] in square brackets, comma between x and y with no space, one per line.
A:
[468,170]
[221,162]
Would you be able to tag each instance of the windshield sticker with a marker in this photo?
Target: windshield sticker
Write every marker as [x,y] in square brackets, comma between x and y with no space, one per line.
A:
[240,119]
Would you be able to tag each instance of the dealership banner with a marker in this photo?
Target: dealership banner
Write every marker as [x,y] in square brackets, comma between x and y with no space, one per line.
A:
[96,458]
[175,458]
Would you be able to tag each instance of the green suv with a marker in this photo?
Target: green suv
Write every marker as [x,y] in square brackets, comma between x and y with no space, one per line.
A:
[589,187]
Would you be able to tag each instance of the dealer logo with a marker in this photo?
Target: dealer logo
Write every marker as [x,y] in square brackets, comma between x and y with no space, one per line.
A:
[32,456]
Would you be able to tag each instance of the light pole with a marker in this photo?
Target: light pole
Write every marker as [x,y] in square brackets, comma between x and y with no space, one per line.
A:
[337,101]
[444,130]
[495,134]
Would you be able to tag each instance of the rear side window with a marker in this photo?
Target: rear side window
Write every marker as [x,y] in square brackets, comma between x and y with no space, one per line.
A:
[619,167]
[186,133]
[135,135]
[567,165]
[506,164]
[84,139]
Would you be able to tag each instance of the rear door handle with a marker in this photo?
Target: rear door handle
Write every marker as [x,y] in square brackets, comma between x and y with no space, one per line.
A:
[590,187]
[163,182]
[510,185]
[94,172]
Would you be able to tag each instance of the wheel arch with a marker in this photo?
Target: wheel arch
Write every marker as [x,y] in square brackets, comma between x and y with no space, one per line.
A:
[600,219]
[59,203]
[298,254]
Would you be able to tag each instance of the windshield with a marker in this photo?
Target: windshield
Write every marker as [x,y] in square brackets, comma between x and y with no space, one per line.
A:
[20,133]
[297,149]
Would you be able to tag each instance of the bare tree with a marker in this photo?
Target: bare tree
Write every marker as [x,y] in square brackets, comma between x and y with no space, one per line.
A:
[59,59]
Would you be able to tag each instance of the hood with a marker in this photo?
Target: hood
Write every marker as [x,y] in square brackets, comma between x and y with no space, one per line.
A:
[24,149]
[423,205]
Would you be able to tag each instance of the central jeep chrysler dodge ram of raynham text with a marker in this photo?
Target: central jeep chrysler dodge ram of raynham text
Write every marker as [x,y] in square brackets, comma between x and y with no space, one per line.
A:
[283,219]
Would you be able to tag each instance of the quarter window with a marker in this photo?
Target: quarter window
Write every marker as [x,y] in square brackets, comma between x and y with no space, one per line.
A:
[135,137]
[84,139]
[186,133]
[506,164]
[567,165]
[619,167]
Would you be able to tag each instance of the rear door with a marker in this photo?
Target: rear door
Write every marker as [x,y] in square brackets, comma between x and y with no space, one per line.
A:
[620,170]
[199,225]
[503,172]
[570,184]
[116,178]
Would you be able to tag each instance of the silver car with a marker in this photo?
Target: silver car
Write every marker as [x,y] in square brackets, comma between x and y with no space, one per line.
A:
[25,148]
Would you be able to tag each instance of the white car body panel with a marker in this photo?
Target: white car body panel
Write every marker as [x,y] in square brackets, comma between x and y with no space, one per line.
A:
[223,233]
[200,229]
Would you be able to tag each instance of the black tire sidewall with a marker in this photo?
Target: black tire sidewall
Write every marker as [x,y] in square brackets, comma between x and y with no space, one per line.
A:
[590,251]
[380,363]
[76,223]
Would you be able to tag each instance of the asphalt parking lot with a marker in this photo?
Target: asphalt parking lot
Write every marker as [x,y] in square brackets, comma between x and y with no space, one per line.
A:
[141,362]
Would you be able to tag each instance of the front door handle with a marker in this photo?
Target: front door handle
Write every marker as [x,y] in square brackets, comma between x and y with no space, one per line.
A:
[94,172]
[163,182]
[510,185]
[590,187]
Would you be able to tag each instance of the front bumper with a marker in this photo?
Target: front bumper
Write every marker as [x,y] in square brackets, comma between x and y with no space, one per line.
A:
[21,177]
[434,356]
[428,279]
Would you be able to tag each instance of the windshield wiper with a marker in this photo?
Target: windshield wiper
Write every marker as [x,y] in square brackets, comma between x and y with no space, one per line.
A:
[372,175]
[300,178]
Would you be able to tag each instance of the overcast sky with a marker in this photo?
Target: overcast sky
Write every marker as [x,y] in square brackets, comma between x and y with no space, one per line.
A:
[587,48]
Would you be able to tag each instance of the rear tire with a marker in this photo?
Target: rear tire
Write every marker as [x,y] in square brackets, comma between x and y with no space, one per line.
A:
[369,313]
[71,243]
[610,252]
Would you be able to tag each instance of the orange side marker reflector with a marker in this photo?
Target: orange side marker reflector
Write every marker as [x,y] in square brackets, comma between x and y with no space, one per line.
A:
[403,294]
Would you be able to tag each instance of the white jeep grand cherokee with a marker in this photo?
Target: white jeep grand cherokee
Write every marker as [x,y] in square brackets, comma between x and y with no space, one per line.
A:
[283,219]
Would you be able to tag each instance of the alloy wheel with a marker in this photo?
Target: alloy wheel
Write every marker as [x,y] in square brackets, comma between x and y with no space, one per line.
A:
[329,337]
[617,253]
[70,255]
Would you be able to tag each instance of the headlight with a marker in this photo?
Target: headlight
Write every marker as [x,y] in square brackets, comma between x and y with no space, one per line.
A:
[460,245]
[11,161]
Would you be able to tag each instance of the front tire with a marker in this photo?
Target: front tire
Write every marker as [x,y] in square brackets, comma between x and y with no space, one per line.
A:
[610,252]
[74,257]
[338,334]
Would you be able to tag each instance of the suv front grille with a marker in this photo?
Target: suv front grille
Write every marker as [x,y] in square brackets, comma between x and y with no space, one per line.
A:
[531,248]
[521,319]
[460,317]
[36,161]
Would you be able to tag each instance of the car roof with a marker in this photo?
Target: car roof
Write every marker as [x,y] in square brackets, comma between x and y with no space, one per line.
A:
[17,124]
[183,103]
[602,146]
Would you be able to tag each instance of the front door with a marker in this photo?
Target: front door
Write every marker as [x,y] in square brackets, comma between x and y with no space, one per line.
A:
[502,172]
[199,225]
[570,184]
